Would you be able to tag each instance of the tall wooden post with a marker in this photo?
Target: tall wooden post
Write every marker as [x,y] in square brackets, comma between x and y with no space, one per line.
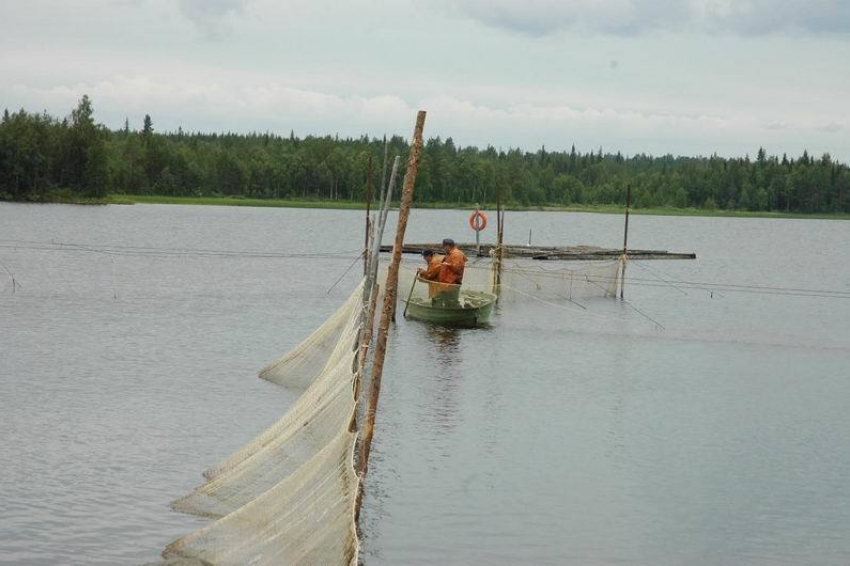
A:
[381,221]
[364,351]
[477,225]
[625,240]
[390,292]
[501,244]
[384,166]
[499,255]
[368,211]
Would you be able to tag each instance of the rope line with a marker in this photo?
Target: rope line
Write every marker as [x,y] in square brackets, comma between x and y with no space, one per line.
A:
[152,251]
[535,270]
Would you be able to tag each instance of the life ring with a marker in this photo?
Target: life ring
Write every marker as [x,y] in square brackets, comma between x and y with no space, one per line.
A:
[482,220]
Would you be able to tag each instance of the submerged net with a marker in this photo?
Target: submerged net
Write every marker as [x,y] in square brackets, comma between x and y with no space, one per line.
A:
[300,366]
[338,369]
[525,281]
[337,366]
[308,518]
[315,419]
[288,496]
[533,280]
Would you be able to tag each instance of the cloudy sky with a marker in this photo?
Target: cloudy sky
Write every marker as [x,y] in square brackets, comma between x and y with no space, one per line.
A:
[680,76]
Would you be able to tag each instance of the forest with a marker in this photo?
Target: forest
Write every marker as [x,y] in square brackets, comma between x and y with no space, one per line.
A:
[44,158]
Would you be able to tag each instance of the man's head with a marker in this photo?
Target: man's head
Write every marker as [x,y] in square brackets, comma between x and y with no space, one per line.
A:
[448,245]
[427,254]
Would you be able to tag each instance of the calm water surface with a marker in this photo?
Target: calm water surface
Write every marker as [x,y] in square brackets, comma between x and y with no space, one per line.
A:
[716,435]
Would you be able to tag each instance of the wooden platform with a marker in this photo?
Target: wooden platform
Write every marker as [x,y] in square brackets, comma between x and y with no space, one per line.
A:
[558,253]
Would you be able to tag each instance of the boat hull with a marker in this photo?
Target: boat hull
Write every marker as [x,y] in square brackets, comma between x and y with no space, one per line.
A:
[474,309]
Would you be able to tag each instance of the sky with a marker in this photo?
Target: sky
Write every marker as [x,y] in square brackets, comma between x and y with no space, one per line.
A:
[686,77]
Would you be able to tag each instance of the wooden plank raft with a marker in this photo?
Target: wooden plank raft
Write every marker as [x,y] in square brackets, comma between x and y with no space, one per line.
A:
[543,253]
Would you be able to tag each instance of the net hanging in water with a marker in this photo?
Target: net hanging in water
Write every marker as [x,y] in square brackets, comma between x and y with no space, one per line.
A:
[301,365]
[308,518]
[530,281]
[288,496]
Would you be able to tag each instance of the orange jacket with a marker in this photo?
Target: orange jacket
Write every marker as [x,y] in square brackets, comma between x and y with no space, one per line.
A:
[453,266]
[432,273]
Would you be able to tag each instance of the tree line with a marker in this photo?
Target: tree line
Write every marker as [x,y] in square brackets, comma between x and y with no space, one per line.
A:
[44,158]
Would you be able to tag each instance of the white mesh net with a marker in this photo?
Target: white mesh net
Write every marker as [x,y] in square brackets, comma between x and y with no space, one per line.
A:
[308,518]
[525,281]
[534,280]
[315,419]
[300,366]
[342,349]
[288,496]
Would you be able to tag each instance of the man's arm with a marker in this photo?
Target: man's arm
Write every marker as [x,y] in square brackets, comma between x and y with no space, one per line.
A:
[432,272]
[454,262]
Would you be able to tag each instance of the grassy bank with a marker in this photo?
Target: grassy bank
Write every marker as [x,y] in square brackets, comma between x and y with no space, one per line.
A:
[669,211]
[63,198]
[356,205]
[234,201]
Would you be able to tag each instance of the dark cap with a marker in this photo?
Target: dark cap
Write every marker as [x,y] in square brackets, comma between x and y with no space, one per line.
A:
[427,253]
[448,242]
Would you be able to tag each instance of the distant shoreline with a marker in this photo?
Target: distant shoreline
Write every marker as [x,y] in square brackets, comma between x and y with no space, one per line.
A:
[359,205]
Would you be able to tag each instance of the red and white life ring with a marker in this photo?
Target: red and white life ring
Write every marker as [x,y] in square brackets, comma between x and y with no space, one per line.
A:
[478,220]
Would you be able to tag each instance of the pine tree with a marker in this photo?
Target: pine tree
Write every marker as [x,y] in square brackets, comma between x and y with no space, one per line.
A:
[147,129]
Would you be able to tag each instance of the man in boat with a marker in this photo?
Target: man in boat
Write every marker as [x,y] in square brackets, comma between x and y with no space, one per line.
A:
[434,264]
[451,274]
[454,263]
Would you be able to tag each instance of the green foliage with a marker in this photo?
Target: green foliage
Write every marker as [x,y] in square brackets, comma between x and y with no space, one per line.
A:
[42,157]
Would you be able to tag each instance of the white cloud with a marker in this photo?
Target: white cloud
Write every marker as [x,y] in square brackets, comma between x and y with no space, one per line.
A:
[275,106]
[627,17]
[212,17]
[367,65]
[832,128]
[230,106]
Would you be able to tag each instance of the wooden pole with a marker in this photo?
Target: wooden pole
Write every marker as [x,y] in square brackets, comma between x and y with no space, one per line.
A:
[390,292]
[368,211]
[501,244]
[381,222]
[498,211]
[384,166]
[477,224]
[625,240]
[497,258]
[364,351]
[504,213]
[410,295]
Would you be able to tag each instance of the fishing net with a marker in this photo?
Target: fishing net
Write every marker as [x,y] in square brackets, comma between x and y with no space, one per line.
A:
[308,518]
[339,368]
[300,366]
[315,419]
[522,282]
[288,496]
[535,281]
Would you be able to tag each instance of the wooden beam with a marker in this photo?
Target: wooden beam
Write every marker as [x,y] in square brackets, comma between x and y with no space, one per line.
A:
[368,211]
[565,253]
[364,351]
[625,241]
[390,292]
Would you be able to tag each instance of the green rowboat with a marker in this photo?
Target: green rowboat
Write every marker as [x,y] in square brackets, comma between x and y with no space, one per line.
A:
[473,308]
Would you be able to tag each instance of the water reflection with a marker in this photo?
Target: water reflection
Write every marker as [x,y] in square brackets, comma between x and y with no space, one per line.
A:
[443,377]
[446,342]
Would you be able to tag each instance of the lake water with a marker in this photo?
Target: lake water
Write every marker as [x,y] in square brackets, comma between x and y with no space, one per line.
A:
[717,434]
